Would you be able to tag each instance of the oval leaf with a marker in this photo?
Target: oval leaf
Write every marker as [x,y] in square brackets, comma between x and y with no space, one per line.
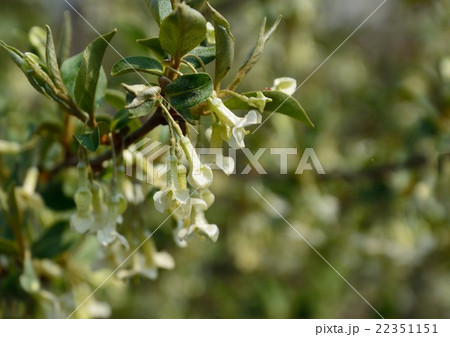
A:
[69,72]
[159,9]
[137,63]
[206,54]
[281,102]
[155,46]
[189,90]
[141,110]
[182,31]
[89,73]
[90,141]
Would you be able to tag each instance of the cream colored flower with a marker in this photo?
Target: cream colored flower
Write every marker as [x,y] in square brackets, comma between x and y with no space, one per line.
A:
[147,264]
[175,197]
[200,175]
[234,132]
[199,224]
[286,85]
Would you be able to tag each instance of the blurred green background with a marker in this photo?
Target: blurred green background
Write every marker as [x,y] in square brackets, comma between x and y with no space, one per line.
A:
[380,216]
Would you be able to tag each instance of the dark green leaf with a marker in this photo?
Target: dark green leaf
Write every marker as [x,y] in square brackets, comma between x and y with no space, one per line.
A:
[256,53]
[120,120]
[90,141]
[140,111]
[69,73]
[224,46]
[182,31]
[54,241]
[65,39]
[159,9]
[281,102]
[206,54]
[137,63]
[52,62]
[89,73]
[189,90]
[155,46]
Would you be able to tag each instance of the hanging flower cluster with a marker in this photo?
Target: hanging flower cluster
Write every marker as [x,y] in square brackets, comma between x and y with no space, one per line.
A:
[111,191]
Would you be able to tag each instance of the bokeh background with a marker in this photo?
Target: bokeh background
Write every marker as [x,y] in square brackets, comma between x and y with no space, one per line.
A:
[380,216]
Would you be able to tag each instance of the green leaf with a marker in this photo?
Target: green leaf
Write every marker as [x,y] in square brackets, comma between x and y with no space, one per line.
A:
[54,241]
[137,63]
[8,247]
[224,46]
[196,4]
[116,98]
[154,45]
[142,110]
[160,9]
[256,53]
[17,57]
[90,141]
[69,73]
[65,39]
[15,54]
[52,62]
[37,36]
[189,90]
[89,73]
[120,120]
[206,54]
[281,103]
[182,31]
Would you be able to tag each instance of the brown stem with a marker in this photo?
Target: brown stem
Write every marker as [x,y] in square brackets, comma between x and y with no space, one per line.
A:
[96,163]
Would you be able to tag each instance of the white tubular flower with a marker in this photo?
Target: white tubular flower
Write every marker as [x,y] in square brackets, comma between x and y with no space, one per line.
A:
[235,132]
[141,93]
[26,195]
[286,85]
[199,224]
[226,164]
[107,233]
[200,175]
[146,265]
[175,197]
[82,220]
[180,225]
[259,101]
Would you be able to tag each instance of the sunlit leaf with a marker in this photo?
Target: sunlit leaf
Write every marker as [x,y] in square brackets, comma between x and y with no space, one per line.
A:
[182,31]
[281,103]
[137,63]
